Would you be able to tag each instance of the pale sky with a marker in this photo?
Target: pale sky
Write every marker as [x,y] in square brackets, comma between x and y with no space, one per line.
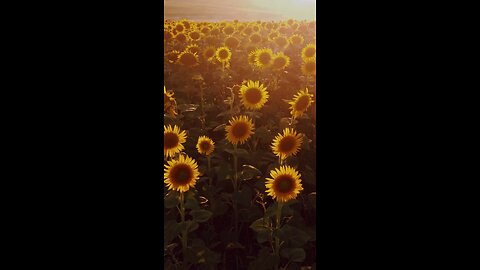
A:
[242,10]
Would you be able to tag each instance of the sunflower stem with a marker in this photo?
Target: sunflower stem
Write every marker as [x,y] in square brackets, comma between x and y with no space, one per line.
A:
[235,189]
[277,240]
[184,232]
[209,169]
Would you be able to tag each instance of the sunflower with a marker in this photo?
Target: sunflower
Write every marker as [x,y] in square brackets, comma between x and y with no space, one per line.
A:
[193,48]
[179,27]
[167,35]
[223,54]
[239,130]
[194,35]
[181,37]
[251,58]
[309,67]
[169,103]
[232,42]
[284,185]
[263,57]
[281,41]
[300,103]
[188,59]
[287,144]
[205,145]
[255,38]
[253,95]
[280,61]
[172,56]
[309,52]
[296,40]
[181,174]
[172,140]
[209,53]
[228,30]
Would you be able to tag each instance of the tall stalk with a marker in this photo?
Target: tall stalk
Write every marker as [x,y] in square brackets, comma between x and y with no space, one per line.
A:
[277,240]
[184,231]
[235,189]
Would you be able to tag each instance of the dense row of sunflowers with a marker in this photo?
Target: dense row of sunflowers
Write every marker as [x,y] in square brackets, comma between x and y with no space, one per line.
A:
[249,66]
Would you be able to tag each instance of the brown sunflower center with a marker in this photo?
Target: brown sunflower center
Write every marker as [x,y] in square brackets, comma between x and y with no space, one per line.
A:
[296,40]
[255,38]
[209,53]
[279,62]
[240,129]
[205,146]
[286,144]
[170,140]
[223,54]
[188,59]
[231,42]
[264,58]
[302,103]
[311,67]
[181,174]
[253,95]
[181,37]
[310,52]
[228,30]
[195,35]
[284,183]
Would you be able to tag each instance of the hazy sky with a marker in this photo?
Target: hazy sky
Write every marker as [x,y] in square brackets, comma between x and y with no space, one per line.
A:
[243,10]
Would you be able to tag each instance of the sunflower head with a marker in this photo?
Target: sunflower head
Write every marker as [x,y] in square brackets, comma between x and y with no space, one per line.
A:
[287,144]
[255,38]
[205,145]
[232,42]
[263,57]
[188,59]
[309,67]
[179,27]
[300,103]
[169,103]
[181,174]
[309,52]
[284,184]
[280,61]
[167,35]
[173,138]
[209,53]
[253,95]
[281,41]
[194,35]
[193,48]
[228,30]
[172,56]
[296,40]
[223,54]
[181,37]
[239,129]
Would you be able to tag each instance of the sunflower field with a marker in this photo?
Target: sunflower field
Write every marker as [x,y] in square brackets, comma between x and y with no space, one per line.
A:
[239,145]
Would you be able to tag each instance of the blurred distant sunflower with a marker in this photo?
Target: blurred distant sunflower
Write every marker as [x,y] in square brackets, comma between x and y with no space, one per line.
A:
[309,67]
[247,31]
[300,103]
[223,54]
[255,38]
[287,144]
[309,52]
[228,30]
[172,56]
[215,31]
[205,145]
[272,35]
[280,61]
[193,48]
[186,24]
[232,42]
[263,57]
[239,130]
[209,53]
[251,58]
[205,30]
[194,35]
[167,35]
[284,184]
[179,27]
[181,174]
[172,140]
[188,59]
[281,41]
[296,40]
[169,103]
[253,95]
[181,37]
